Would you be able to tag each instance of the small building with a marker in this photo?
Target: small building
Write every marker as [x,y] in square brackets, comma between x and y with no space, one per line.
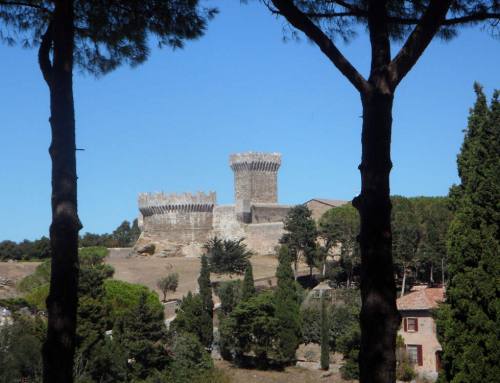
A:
[320,206]
[418,330]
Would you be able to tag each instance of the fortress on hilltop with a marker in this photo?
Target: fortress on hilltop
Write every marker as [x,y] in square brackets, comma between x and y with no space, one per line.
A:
[180,224]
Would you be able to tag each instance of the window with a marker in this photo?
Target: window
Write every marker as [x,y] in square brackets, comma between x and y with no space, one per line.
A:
[414,352]
[411,324]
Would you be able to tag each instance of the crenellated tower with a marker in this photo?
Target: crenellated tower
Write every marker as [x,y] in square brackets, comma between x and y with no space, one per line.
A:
[255,181]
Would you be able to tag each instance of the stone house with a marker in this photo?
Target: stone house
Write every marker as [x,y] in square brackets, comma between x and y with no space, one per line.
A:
[418,329]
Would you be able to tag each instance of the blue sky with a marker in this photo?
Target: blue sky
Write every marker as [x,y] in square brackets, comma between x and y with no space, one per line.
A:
[170,124]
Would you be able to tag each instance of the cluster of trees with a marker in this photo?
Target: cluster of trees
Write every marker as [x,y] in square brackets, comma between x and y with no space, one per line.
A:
[468,322]
[25,250]
[419,228]
[125,235]
[120,337]
[261,329]
[341,320]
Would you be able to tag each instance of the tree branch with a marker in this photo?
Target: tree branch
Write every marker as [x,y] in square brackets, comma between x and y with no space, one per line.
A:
[44,55]
[418,40]
[24,4]
[300,21]
[453,21]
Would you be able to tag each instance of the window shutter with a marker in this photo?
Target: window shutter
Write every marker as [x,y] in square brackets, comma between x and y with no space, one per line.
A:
[416,324]
[419,355]
[405,326]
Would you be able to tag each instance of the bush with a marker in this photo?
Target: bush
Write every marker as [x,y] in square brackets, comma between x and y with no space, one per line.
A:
[405,371]
[37,296]
[40,277]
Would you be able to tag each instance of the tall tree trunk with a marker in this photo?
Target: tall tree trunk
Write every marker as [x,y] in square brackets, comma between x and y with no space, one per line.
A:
[59,347]
[379,317]
[403,285]
[431,274]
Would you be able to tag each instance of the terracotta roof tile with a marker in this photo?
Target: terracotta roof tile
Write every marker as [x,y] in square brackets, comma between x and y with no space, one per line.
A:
[421,299]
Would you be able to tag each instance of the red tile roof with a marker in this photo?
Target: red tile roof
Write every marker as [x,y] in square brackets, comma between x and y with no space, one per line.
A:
[421,299]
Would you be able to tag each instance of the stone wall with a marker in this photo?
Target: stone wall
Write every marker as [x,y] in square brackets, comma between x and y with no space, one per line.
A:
[267,212]
[263,238]
[225,224]
[172,221]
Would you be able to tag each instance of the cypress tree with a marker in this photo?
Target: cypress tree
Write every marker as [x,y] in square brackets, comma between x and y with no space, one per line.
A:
[248,290]
[325,347]
[468,322]
[287,308]
[205,286]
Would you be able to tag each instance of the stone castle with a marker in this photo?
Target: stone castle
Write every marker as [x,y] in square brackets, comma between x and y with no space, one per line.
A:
[180,224]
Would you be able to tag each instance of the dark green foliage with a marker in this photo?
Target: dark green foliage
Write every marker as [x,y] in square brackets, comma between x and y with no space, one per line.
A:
[189,316]
[109,33]
[311,325]
[124,235]
[300,235]
[248,289]
[106,364]
[230,294]
[25,250]
[339,227]
[190,359]
[20,349]
[434,215]
[405,235]
[325,346]
[252,327]
[141,332]
[468,324]
[349,345]
[343,317]
[227,256]
[205,286]
[287,309]
[122,296]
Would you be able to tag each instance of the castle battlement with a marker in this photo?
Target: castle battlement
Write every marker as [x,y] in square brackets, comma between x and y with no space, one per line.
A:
[255,161]
[161,203]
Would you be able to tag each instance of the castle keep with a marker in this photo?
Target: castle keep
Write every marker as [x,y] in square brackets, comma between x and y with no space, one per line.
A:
[179,224]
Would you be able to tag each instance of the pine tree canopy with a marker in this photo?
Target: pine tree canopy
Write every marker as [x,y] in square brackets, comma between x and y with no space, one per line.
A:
[108,33]
[468,323]
[339,18]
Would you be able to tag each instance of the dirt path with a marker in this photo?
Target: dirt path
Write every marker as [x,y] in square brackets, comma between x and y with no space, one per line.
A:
[293,374]
[13,272]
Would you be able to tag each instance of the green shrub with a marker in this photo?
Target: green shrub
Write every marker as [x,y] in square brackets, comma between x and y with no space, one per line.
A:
[122,296]
[37,296]
[40,277]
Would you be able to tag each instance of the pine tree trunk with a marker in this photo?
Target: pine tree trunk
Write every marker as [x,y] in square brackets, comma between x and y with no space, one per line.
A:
[59,347]
[379,318]
[403,285]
